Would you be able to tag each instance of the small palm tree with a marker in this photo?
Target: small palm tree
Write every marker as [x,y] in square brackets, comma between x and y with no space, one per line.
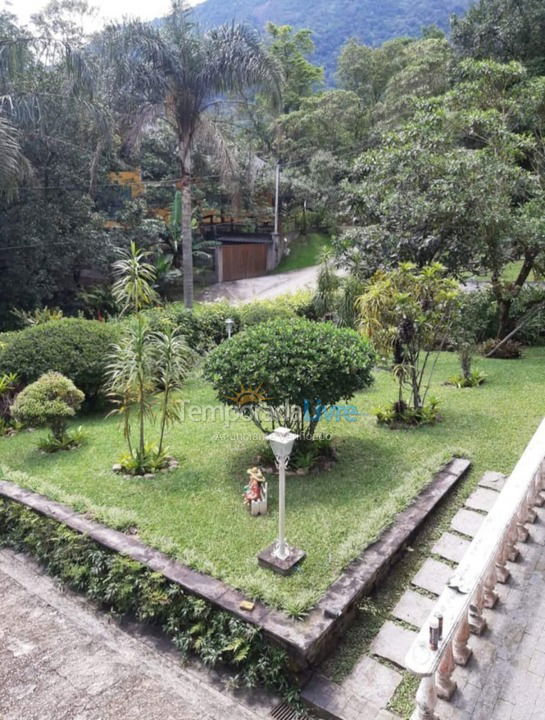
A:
[144,364]
[179,73]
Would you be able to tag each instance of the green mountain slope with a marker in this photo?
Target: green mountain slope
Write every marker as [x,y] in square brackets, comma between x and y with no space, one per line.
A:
[333,22]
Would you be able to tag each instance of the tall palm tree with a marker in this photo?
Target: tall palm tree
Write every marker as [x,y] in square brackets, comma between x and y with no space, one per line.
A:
[178,72]
[13,164]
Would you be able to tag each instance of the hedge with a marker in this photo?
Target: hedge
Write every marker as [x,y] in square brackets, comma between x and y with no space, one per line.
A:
[75,347]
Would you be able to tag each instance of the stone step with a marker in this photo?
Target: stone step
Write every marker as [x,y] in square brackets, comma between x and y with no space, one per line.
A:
[373,682]
[433,576]
[481,499]
[492,480]
[393,643]
[467,522]
[327,699]
[451,547]
[413,608]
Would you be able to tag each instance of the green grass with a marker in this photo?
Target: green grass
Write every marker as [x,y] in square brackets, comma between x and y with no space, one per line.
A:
[510,273]
[304,252]
[196,513]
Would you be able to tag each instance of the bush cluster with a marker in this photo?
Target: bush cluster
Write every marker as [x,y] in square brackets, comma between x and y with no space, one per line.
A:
[127,588]
[204,327]
[75,347]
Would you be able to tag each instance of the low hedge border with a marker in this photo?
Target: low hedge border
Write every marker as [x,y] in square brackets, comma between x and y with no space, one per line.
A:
[127,588]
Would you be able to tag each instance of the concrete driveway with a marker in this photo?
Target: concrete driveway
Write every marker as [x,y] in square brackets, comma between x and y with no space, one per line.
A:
[264,287]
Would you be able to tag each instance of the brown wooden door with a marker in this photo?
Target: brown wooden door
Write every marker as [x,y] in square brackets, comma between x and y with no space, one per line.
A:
[244,261]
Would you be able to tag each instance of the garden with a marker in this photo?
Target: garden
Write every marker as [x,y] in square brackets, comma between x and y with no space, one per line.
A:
[192,507]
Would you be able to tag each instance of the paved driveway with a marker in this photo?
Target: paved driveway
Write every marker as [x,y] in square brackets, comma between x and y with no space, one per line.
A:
[61,660]
[264,287]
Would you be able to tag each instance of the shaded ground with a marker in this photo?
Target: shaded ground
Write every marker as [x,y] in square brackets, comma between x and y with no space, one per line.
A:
[60,660]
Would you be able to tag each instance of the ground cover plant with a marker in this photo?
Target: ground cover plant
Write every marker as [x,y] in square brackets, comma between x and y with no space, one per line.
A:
[196,511]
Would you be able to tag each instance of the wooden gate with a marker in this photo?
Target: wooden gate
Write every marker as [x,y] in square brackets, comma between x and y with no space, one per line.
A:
[244,260]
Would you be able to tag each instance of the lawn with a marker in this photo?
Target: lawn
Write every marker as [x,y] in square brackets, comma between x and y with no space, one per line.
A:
[197,514]
[305,251]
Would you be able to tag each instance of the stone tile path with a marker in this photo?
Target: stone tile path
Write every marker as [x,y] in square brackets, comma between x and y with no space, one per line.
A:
[59,660]
[372,682]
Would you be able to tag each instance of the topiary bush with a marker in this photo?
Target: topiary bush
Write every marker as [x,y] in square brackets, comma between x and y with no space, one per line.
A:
[75,347]
[52,400]
[290,373]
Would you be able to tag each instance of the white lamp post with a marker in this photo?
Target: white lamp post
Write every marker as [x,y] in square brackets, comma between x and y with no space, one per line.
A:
[280,557]
[229,324]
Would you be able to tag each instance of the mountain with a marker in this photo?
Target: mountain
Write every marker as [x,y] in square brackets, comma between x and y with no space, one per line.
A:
[333,22]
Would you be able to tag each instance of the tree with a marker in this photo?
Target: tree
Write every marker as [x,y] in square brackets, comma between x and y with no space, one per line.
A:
[301,77]
[143,365]
[460,182]
[46,153]
[177,72]
[290,374]
[503,30]
[407,313]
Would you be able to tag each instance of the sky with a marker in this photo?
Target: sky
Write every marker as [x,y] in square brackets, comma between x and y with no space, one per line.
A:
[107,9]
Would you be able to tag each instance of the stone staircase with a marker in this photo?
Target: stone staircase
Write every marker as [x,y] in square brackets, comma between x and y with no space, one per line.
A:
[366,692]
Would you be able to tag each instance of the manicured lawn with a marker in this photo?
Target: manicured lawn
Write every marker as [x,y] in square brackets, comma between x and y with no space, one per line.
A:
[304,252]
[197,512]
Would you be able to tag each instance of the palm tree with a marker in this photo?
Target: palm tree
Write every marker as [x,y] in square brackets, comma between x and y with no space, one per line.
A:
[179,73]
[13,164]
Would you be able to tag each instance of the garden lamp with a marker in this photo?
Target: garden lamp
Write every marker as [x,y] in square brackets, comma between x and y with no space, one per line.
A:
[281,441]
[229,324]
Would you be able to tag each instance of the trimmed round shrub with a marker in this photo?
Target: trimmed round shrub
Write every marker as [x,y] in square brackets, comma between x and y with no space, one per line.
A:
[52,400]
[75,347]
[309,365]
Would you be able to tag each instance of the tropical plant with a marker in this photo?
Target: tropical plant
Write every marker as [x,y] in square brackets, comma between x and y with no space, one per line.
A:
[52,400]
[144,364]
[174,70]
[38,316]
[290,374]
[408,314]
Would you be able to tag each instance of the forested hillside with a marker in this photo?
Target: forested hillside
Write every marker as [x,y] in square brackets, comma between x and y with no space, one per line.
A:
[333,22]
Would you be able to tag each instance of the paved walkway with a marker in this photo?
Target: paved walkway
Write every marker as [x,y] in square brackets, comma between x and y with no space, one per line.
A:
[61,660]
[505,678]
[264,287]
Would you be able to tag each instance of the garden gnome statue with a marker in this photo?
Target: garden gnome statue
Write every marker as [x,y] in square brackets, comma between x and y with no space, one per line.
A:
[255,493]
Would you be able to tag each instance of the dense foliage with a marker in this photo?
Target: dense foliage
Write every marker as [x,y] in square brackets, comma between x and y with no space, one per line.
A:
[75,347]
[290,374]
[126,588]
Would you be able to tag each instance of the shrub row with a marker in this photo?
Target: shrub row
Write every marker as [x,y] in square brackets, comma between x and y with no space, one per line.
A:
[78,348]
[204,326]
[127,588]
